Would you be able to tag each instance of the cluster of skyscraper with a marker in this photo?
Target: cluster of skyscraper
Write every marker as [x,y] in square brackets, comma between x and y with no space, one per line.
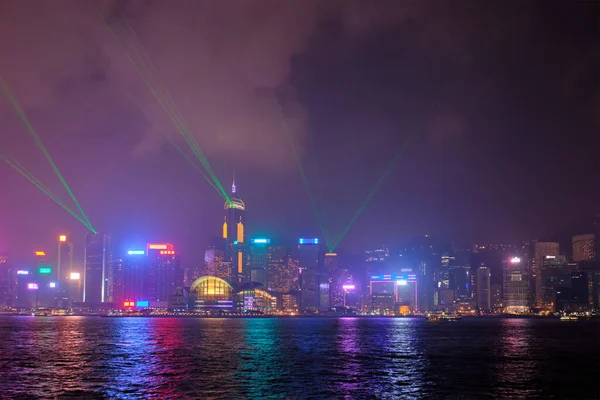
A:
[253,275]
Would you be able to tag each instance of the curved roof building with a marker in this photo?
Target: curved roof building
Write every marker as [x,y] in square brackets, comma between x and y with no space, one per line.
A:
[211,292]
[254,297]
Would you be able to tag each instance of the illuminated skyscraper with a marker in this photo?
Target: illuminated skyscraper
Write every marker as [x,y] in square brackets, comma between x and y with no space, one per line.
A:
[164,273]
[234,236]
[135,266]
[330,294]
[584,247]
[483,289]
[516,286]
[282,270]
[258,260]
[65,261]
[214,265]
[117,268]
[540,251]
[7,282]
[95,269]
[308,262]
[554,274]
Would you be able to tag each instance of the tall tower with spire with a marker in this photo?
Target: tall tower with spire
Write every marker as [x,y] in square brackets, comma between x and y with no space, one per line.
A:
[233,235]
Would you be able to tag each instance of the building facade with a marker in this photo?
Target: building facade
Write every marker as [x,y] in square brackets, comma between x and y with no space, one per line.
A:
[96,260]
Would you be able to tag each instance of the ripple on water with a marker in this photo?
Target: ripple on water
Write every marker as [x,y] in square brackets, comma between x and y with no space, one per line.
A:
[275,358]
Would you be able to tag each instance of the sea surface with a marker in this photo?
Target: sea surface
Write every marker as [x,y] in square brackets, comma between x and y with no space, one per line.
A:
[321,358]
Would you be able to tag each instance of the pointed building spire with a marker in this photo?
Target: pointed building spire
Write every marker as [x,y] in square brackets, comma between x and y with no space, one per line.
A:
[233,184]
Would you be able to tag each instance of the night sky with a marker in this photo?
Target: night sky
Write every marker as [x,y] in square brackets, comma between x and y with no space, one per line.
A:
[501,101]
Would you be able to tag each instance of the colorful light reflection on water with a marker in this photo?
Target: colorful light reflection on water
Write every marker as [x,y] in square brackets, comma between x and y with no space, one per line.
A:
[302,357]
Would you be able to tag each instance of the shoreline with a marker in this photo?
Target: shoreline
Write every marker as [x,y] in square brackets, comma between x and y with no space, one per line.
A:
[501,316]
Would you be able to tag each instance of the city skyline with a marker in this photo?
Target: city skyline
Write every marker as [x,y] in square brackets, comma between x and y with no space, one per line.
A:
[299,199]
[476,168]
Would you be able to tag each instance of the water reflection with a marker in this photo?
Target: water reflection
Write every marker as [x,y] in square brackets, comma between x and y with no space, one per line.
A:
[409,358]
[517,363]
[350,368]
[262,367]
[297,358]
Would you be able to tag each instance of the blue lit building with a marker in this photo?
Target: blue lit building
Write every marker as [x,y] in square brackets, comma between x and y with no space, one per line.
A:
[308,263]
[258,260]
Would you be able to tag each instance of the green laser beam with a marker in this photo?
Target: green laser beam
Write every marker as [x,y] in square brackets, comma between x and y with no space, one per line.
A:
[372,192]
[319,190]
[174,144]
[387,171]
[179,126]
[444,87]
[188,136]
[303,175]
[27,175]
[40,144]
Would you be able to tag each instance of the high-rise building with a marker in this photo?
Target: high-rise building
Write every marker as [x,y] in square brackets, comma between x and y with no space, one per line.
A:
[283,277]
[443,274]
[460,272]
[377,260]
[215,265]
[483,289]
[554,274]
[283,270]
[45,280]
[584,247]
[516,286]
[163,273]
[25,298]
[258,260]
[576,297]
[65,259]
[308,263]
[95,270]
[8,283]
[540,251]
[135,276]
[496,297]
[161,276]
[117,268]
[234,237]
[330,293]
[64,267]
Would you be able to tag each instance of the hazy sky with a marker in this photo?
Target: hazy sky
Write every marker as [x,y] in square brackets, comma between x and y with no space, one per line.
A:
[503,99]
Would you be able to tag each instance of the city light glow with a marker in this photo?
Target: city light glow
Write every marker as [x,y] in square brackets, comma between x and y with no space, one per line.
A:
[407,277]
[402,282]
[45,270]
[75,276]
[141,303]
[265,241]
[62,238]
[32,286]
[515,260]
[22,272]
[308,241]
[348,287]
[157,246]
[128,304]
[166,252]
[52,284]
[136,252]
[40,253]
